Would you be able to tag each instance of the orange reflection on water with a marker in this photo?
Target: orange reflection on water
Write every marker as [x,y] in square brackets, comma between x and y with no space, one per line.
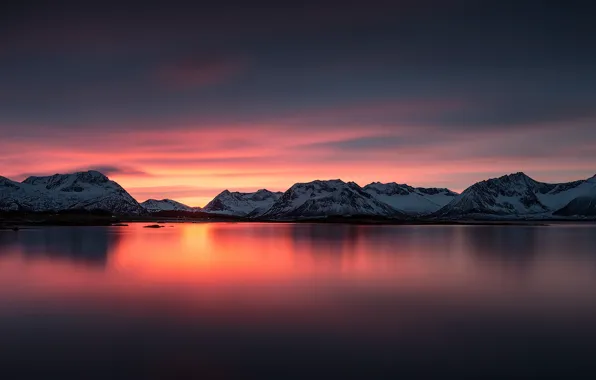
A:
[242,253]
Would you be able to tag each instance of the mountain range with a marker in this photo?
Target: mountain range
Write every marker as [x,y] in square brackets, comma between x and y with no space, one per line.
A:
[513,196]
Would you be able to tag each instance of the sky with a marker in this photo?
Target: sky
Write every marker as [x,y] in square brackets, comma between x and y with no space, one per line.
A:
[182,102]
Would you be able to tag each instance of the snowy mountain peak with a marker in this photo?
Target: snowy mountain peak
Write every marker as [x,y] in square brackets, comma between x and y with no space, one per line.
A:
[390,188]
[324,198]
[516,179]
[511,194]
[154,205]
[411,200]
[88,190]
[264,194]
[242,204]
[61,180]
[520,175]
[85,176]
[317,183]
[90,176]
[514,195]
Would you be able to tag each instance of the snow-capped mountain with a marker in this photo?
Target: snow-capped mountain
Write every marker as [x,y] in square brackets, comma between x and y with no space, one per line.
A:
[327,198]
[155,205]
[411,200]
[242,204]
[515,195]
[88,190]
[510,196]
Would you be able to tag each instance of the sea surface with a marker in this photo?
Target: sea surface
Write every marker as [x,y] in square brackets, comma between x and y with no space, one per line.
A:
[227,301]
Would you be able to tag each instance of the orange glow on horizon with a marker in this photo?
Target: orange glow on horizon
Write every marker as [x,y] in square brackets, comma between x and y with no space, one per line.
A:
[192,164]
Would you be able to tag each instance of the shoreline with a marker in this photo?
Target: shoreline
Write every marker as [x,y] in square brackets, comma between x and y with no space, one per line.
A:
[15,222]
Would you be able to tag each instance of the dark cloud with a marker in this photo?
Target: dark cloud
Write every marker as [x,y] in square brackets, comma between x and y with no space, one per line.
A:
[120,170]
[369,143]
[514,112]
[200,71]
[406,73]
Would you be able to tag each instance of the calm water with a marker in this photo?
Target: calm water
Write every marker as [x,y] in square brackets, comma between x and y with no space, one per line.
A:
[252,300]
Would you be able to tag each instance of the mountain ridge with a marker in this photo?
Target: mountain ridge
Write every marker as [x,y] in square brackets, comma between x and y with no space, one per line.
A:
[511,196]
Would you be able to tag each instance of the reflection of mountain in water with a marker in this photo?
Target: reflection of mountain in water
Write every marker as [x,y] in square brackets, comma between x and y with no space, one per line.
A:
[325,242]
[517,246]
[9,241]
[90,245]
[325,233]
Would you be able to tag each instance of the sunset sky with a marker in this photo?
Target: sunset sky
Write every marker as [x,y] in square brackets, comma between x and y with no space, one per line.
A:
[178,102]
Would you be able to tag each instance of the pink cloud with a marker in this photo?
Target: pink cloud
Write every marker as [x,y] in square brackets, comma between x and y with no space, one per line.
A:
[191,162]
